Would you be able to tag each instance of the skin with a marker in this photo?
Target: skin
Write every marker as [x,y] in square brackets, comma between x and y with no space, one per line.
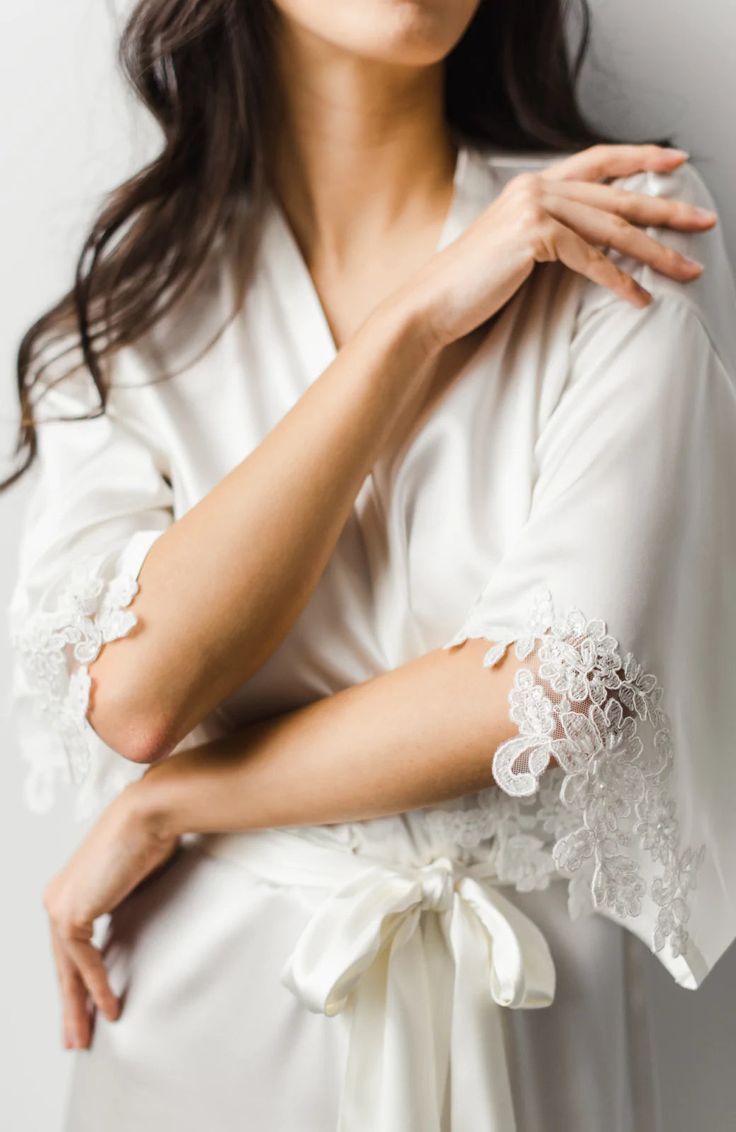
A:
[364,159]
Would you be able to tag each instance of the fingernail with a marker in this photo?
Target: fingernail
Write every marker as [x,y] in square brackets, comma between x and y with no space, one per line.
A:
[693,262]
[705,213]
[678,152]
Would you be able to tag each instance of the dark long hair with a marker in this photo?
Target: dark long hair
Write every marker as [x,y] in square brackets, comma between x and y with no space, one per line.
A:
[203,68]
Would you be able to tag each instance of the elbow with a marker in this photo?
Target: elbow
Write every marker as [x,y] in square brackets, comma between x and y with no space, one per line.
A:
[144,745]
[136,739]
[134,733]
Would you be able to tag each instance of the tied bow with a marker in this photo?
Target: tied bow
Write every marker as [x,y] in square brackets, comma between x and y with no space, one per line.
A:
[425,957]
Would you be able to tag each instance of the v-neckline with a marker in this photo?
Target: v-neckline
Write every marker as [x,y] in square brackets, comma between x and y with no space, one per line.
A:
[314,330]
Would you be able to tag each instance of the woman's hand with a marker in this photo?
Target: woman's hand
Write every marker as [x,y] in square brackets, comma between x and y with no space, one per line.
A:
[559,213]
[120,850]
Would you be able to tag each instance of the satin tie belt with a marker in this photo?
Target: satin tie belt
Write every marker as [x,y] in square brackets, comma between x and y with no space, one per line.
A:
[425,956]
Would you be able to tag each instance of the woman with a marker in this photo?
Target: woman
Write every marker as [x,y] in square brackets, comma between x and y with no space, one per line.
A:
[476,394]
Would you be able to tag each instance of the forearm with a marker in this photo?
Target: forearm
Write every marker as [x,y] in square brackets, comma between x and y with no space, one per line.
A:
[223,585]
[417,735]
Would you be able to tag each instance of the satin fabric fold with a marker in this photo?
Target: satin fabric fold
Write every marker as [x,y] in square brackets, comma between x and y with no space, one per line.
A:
[425,956]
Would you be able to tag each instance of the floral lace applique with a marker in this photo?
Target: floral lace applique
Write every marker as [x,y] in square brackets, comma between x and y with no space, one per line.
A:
[599,714]
[55,648]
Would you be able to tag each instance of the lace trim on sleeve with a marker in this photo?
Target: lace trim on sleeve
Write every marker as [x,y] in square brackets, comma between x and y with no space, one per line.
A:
[593,708]
[55,647]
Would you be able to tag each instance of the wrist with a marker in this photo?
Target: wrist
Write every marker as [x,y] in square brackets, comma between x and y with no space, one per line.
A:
[149,807]
[405,321]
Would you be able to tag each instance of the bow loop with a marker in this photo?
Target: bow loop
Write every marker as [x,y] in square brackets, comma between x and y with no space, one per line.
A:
[347,932]
[522,972]
[425,957]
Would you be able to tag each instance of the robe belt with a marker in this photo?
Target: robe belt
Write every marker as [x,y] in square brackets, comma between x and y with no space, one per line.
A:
[425,956]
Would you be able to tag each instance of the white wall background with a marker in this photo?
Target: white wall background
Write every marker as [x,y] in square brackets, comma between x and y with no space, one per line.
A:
[70,132]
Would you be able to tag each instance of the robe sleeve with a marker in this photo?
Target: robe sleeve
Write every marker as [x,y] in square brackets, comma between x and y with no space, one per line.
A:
[99,500]
[618,596]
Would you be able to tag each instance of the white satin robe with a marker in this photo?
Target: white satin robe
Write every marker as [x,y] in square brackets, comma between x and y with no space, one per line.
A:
[475,965]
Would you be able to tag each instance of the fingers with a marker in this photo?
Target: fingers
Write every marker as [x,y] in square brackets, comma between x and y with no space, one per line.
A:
[576,253]
[91,967]
[639,208]
[586,216]
[82,976]
[599,227]
[76,1020]
[614,161]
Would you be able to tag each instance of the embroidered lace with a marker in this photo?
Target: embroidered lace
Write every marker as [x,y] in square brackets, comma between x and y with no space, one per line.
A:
[608,804]
[55,648]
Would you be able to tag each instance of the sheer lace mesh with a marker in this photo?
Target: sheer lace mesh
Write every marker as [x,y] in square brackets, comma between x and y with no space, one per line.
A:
[54,647]
[594,749]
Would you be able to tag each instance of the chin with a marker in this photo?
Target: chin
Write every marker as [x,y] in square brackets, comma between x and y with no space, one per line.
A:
[402,32]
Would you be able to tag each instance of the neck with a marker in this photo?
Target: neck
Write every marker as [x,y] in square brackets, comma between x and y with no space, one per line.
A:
[363,149]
